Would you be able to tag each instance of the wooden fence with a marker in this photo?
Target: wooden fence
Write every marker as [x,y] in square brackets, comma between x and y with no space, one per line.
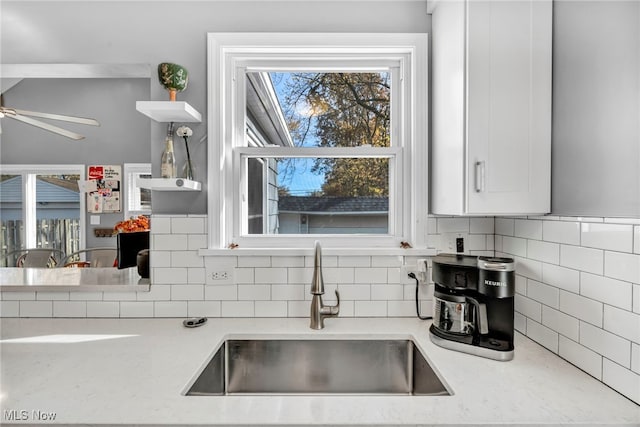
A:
[63,234]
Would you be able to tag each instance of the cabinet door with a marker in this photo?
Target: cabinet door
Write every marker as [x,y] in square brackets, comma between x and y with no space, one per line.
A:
[508,107]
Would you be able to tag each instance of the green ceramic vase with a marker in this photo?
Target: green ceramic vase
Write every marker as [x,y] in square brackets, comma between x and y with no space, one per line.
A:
[173,77]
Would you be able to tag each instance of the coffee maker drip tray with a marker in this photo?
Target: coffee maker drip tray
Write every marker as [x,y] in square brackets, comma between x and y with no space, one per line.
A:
[477,345]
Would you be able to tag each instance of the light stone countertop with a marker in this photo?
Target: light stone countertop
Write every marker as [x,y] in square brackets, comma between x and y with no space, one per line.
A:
[139,378]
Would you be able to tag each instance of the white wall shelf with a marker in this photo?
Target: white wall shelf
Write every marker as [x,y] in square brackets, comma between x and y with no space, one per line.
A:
[169,111]
[169,184]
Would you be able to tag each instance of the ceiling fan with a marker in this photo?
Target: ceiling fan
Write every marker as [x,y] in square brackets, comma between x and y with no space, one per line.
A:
[26,117]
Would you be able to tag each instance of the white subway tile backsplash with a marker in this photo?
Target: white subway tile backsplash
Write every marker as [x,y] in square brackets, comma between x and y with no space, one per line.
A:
[584,259]
[170,242]
[542,335]
[161,258]
[170,275]
[547,295]
[187,292]
[636,239]
[52,296]
[621,379]
[301,309]
[327,261]
[370,275]
[636,298]
[370,308]
[528,229]
[238,309]
[387,292]
[583,308]
[520,323]
[354,292]
[301,275]
[271,275]
[543,251]
[476,242]
[635,358]
[622,266]
[521,285]
[561,323]
[482,225]
[221,292]
[271,309]
[197,241]
[585,359]
[514,246]
[614,237]
[452,225]
[529,268]
[254,261]
[86,296]
[69,309]
[401,309]
[287,261]
[609,345]
[186,259]
[561,277]
[36,308]
[188,225]
[354,261]
[623,323]
[18,296]
[136,309]
[336,275]
[386,261]
[161,224]
[244,275]
[196,276]
[609,291]
[103,309]
[289,292]
[254,292]
[156,293]
[528,307]
[505,226]
[203,308]
[9,308]
[561,232]
[170,309]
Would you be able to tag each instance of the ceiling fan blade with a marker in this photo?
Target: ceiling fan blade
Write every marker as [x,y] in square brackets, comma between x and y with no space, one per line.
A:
[46,126]
[72,119]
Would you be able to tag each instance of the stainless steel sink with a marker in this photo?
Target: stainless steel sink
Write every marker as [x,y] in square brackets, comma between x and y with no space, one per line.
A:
[318,366]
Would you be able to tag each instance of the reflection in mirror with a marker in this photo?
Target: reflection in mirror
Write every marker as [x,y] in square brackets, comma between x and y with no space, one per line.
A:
[307,193]
[107,93]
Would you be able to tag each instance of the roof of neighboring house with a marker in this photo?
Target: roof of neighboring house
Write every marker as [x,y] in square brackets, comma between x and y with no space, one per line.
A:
[311,204]
[47,190]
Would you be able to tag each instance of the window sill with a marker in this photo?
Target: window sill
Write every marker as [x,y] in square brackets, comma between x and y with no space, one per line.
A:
[325,251]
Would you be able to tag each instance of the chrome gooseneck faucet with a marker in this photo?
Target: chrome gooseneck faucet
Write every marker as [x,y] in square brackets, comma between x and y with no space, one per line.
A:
[318,310]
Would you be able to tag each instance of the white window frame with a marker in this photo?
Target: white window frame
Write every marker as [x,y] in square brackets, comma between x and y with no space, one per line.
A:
[28,173]
[230,55]
[132,205]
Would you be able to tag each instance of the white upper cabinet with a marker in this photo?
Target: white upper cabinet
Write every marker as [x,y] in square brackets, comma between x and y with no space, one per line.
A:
[491,149]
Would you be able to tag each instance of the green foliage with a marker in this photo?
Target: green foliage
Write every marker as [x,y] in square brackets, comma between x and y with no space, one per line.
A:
[343,110]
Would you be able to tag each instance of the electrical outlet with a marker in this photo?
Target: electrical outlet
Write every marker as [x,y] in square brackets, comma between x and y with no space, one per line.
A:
[219,274]
[454,243]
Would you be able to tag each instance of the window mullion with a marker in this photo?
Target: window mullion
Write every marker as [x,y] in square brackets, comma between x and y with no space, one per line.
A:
[29,209]
[329,152]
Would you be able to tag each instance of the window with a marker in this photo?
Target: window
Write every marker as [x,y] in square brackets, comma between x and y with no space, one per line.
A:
[317,136]
[137,200]
[41,207]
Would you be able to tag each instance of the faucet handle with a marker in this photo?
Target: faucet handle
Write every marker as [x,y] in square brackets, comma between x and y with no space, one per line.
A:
[334,310]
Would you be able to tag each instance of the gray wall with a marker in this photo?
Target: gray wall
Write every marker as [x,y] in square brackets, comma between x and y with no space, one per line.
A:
[123,135]
[596,109]
[154,32]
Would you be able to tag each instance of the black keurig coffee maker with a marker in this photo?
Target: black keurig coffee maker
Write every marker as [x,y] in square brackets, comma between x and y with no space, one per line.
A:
[473,300]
